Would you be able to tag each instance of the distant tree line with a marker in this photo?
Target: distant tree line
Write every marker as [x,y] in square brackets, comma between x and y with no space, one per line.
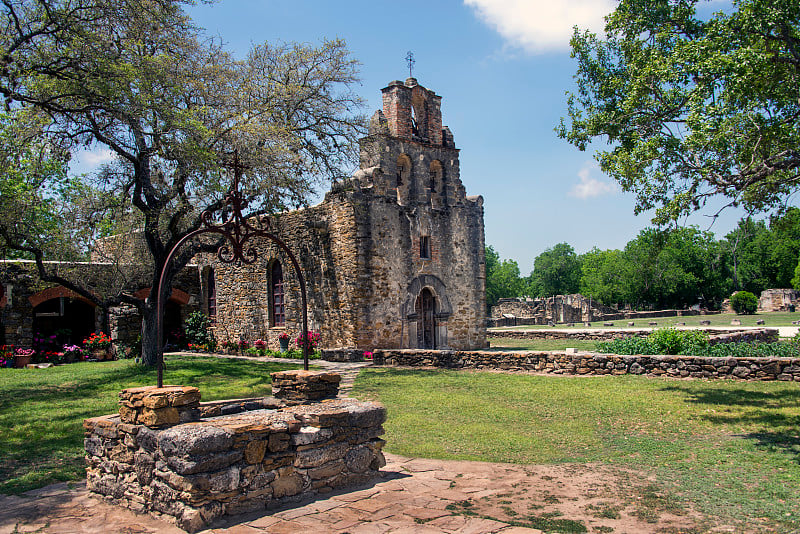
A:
[662,268]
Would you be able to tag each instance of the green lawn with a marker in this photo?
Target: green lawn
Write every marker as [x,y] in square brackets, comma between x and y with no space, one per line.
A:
[42,410]
[731,448]
[722,319]
[510,344]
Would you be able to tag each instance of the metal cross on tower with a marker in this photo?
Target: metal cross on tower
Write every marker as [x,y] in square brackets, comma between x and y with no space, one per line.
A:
[410,61]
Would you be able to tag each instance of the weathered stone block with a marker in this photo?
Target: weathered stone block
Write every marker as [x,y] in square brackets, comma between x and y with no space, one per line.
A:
[254,451]
[287,482]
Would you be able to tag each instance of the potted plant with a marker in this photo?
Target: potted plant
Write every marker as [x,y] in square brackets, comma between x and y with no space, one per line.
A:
[283,339]
[72,353]
[98,345]
[6,355]
[261,346]
[22,357]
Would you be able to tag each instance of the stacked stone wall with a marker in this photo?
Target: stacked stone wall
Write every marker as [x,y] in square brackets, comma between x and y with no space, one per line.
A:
[585,363]
[716,335]
[195,472]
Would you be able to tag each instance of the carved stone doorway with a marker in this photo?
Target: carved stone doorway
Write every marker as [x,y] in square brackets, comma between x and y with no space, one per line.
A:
[425,309]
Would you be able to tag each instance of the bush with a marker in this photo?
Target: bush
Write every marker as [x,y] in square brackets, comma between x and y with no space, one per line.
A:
[744,303]
[674,341]
[661,341]
[198,331]
[780,349]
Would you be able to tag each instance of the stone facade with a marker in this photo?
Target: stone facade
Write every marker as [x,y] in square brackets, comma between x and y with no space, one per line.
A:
[587,363]
[393,256]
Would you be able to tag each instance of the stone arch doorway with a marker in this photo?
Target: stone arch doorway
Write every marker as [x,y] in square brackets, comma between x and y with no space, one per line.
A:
[425,309]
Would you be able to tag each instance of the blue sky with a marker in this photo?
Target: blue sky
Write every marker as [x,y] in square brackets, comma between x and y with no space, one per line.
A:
[502,68]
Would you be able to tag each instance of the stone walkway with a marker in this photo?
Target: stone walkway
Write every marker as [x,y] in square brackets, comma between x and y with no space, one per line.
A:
[414,495]
[347,370]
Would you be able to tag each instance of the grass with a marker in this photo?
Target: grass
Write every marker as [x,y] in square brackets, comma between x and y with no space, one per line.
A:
[731,448]
[42,410]
[771,319]
[510,344]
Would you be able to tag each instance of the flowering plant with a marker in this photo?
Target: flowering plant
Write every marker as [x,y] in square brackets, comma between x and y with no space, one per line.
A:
[72,352]
[283,335]
[24,352]
[313,340]
[199,347]
[260,344]
[243,344]
[6,355]
[97,341]
[368,355]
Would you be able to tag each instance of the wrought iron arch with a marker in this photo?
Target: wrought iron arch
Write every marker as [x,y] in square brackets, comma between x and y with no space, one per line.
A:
[238,234]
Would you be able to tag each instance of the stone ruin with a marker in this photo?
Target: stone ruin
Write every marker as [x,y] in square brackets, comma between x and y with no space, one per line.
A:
[574,308]
[779,300]
[168,454]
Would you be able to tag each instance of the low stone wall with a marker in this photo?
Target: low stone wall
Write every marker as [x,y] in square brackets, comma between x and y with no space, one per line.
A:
[342,355]
[585,363]
[719,335]
[246,458]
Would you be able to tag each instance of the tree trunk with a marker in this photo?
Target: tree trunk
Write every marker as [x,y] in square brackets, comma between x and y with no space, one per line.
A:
[150,345]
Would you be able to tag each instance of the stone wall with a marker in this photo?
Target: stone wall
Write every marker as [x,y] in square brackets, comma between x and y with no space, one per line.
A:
[585,363]
[716,335]
[195,472]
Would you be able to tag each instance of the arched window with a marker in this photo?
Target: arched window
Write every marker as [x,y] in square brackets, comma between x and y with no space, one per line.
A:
[211,287]
[277,295]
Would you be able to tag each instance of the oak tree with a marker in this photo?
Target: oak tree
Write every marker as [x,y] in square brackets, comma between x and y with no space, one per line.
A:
[692,106]
[137,78]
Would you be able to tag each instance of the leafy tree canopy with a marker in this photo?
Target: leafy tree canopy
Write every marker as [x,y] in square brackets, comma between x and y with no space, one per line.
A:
[137,78]
[692,108]
[556,271]
[502,278]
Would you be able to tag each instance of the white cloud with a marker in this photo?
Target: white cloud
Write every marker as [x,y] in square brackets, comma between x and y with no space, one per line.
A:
[542,25]
[591,187]
[97,157]
[89,161]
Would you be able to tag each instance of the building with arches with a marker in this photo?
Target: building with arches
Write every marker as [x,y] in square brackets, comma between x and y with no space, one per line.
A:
[393,256]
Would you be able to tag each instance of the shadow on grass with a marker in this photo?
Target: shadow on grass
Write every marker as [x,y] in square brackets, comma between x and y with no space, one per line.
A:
[42,411]
[777,431]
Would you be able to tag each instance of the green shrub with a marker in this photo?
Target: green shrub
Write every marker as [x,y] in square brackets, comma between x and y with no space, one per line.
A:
[661,341]
[780,349]
[198,330]
[744,303]
[674,341]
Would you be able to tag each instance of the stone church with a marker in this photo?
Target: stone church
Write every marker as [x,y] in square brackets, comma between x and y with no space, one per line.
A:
[393,257]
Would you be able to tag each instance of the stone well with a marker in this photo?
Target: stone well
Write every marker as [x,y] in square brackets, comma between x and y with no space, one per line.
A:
[190,462]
